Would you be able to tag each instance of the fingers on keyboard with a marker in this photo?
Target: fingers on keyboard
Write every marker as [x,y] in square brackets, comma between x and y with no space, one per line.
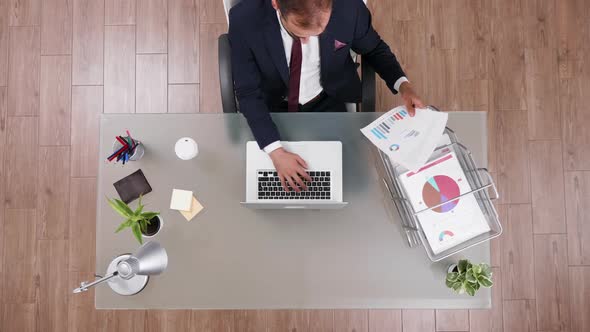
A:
[271,187]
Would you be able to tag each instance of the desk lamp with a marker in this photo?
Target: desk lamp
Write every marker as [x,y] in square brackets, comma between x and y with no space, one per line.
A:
[129,274]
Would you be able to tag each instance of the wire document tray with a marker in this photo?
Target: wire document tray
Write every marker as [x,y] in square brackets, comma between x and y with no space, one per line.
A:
[480,182]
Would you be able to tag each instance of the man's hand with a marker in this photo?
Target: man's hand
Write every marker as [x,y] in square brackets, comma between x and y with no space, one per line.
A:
[410,98]
[290,168]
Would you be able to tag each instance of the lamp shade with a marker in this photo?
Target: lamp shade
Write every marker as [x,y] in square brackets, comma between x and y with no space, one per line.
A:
[150,259]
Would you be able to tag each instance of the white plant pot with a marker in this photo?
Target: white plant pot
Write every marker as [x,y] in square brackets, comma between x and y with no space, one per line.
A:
[159,217]
[451,267]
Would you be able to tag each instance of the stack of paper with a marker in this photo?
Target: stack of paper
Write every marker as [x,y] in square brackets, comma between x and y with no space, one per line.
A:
[442,147]
[185,203]
[181,199]
[408,141]
[434,189]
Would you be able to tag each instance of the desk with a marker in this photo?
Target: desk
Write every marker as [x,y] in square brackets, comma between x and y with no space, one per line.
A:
[231,257]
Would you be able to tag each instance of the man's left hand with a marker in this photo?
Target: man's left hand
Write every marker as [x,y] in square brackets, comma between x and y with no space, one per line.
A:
[411,99]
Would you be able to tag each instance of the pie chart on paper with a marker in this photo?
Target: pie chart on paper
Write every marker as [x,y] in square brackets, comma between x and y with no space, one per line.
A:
[440,189]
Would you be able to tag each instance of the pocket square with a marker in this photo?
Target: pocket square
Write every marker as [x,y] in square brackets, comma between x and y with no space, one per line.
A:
[338,45]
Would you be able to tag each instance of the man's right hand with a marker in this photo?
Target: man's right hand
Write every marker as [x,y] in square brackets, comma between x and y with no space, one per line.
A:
[291,169]
[411,99]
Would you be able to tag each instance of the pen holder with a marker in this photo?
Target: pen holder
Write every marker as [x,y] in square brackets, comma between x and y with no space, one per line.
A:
[138,151]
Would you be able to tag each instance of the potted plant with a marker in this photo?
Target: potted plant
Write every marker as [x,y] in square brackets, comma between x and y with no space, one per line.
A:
[465,277]
[146,224]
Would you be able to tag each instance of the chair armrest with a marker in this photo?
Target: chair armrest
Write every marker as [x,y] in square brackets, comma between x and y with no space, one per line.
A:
[226,82]
[368,87]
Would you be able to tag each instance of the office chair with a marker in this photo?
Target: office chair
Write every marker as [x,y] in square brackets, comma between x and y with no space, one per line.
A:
[226,82]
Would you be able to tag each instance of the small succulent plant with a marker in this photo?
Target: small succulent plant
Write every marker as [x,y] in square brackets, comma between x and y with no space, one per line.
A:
[468,277]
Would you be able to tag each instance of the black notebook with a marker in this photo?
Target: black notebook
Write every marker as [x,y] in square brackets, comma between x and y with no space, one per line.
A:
[132,186]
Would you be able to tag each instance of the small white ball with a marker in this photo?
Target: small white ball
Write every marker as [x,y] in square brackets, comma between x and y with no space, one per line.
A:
[186,148]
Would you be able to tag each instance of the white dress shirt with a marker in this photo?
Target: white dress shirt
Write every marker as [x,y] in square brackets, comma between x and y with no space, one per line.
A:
[310,84]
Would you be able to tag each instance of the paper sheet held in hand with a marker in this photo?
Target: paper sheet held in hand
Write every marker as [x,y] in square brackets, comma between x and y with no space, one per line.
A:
[408,141]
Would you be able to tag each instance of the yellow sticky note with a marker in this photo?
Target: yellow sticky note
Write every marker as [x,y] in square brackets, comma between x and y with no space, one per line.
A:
[196,207]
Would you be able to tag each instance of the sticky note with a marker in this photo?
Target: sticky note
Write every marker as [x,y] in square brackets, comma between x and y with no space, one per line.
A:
[196,207]
[181,200]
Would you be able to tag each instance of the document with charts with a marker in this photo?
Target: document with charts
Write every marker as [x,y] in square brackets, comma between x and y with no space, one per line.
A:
[438,182]
[441,148]
[408,141]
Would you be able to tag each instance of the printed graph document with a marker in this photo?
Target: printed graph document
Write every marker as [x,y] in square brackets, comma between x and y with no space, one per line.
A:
[441,148]
[450,220]
[408,141]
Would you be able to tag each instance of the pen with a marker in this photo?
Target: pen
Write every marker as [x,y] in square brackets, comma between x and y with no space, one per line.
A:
[122,141]
[132,141]
[117,153]
[129,141]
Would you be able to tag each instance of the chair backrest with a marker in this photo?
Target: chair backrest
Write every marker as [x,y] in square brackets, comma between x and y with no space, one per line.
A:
[228,4]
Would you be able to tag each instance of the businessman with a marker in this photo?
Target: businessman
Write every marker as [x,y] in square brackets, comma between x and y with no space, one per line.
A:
[294,56]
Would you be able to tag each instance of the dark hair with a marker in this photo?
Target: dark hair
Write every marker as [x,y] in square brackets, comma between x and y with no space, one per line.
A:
[305,12]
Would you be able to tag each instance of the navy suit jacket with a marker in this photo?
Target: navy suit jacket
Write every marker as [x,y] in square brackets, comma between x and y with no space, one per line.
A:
[261,72]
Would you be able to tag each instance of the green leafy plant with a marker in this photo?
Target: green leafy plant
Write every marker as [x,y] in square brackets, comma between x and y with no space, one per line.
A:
[136,219]
[469,277]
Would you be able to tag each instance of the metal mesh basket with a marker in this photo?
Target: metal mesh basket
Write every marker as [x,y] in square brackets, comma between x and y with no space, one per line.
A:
[480,182]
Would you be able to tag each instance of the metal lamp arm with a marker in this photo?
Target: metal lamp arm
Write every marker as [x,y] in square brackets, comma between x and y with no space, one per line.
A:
[84,285]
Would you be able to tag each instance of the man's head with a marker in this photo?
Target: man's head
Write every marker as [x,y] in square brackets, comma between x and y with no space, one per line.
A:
[304,18]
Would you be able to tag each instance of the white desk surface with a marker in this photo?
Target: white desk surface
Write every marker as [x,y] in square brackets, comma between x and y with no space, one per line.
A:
[231,257]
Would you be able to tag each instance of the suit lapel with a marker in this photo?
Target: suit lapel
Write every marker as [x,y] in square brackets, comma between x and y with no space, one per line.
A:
[326,51]
[274,44]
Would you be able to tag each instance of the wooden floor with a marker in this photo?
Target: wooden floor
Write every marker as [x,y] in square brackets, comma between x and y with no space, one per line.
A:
[63,62]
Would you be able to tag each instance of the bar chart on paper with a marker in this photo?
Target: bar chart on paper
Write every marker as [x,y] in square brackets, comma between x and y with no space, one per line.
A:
[382,130]
[407,140]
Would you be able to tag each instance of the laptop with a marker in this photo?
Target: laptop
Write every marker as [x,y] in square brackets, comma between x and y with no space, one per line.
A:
[324,161]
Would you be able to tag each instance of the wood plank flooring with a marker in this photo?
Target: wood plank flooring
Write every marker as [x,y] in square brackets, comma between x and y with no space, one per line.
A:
[64,62]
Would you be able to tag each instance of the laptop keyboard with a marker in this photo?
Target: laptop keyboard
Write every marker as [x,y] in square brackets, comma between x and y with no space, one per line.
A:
[269,186]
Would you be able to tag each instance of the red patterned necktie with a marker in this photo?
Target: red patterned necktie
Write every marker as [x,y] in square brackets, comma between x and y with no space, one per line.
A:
[294,75]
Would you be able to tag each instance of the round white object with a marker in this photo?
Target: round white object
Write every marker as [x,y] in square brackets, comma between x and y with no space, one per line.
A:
[186,148]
